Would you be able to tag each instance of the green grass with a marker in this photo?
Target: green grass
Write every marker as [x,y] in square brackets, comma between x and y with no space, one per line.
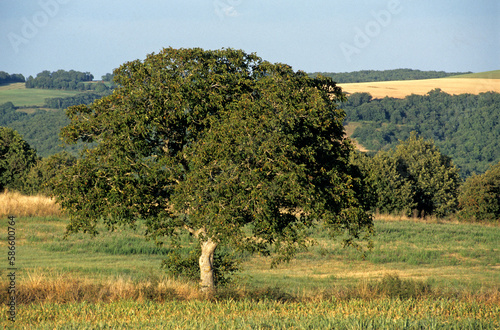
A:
[21,96]
[467,255]
[483,75]
[420,275]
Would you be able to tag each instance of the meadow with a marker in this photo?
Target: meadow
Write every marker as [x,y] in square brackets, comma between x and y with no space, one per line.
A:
[21,96]
[477,83]
[428,273]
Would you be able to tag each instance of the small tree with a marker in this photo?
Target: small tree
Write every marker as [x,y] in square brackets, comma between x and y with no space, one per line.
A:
[235,150]
[479,198]
[435,179]
[16,159]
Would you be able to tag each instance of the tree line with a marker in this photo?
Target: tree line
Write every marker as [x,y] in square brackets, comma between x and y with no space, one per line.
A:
[6,78]
[464,127]
[65,102]
[61,79]
[384,75]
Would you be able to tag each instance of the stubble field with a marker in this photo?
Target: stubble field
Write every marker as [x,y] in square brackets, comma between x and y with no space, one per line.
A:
[400,89]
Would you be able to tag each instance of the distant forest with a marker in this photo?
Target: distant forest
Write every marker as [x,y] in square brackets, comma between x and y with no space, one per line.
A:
[464,127]
[66,80]
[6,78]
[385,75]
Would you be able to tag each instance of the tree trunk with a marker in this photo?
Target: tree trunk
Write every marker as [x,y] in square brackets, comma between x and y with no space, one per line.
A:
[207,266]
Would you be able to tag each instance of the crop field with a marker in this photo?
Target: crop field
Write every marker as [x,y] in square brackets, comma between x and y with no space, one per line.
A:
[400,89]
[21,96]
[421,274]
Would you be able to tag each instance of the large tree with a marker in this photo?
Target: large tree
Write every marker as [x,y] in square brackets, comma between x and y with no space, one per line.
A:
[235,150]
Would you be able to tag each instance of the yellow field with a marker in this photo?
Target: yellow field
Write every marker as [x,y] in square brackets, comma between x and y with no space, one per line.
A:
[400,89]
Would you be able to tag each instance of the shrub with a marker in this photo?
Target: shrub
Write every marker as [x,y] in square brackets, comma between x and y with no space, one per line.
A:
[479,198]
[394,287]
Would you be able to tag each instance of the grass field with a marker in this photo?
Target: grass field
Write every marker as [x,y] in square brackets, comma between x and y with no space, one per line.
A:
[420,274]
[21,96]
[400,89]
[481,75]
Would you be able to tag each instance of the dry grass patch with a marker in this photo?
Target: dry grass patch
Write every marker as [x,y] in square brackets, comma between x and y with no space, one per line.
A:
[19,205]
[66,288]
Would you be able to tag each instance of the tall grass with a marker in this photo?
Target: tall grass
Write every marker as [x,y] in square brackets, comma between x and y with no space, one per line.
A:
[18,205]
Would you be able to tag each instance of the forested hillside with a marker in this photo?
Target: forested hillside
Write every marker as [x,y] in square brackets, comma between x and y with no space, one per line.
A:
[464,127]
[40,128]
[385,75]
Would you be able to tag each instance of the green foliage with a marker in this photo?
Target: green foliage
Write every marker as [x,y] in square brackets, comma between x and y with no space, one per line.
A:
[384,75]
[16,159]
[65,102]
[213,142]
[480,197]
[414,176]
[41,128]
[39,179]
[8,114]
[464,127]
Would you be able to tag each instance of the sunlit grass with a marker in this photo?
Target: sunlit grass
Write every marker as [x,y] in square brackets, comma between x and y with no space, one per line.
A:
[18,205]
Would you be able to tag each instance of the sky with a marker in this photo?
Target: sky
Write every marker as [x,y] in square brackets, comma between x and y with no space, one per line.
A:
[98,36]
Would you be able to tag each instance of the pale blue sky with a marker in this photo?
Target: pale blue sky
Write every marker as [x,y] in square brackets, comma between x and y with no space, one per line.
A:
[312,35]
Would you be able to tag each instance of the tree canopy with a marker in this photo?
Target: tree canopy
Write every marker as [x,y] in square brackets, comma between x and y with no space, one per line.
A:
[237,151]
